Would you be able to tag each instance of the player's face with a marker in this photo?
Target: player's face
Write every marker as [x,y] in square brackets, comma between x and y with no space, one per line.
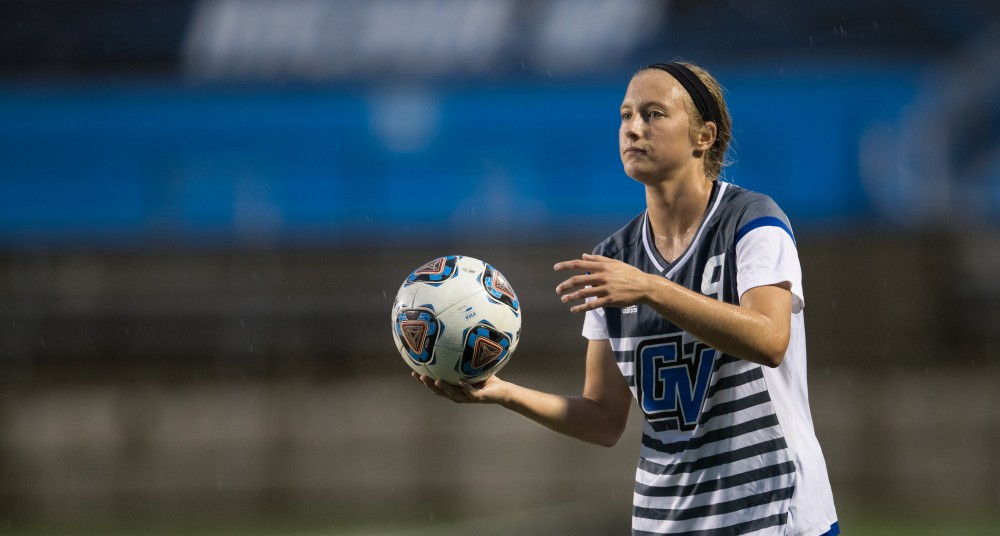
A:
[654,138]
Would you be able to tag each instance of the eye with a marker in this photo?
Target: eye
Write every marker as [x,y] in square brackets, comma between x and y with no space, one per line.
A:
[626,116]
[653,114]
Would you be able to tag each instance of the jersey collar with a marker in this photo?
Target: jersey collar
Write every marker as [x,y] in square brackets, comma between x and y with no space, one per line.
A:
[665,268]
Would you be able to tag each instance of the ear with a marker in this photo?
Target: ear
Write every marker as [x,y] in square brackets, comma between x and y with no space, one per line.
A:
[705,138]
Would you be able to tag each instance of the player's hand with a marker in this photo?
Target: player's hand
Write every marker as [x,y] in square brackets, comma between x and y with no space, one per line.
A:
[610,282]
[488,391]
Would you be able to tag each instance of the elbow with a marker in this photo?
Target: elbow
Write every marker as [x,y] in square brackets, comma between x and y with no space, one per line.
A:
[609,419]
[767,358]
[608,435]
[772,352]
[607,440]
[613,434]
[772,360]
[772,357]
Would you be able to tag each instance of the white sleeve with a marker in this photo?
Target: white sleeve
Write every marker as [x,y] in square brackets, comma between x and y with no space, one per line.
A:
[767,256]
[595,326]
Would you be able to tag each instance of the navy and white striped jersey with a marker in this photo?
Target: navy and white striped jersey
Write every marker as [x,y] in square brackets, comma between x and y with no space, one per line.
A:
[728,446]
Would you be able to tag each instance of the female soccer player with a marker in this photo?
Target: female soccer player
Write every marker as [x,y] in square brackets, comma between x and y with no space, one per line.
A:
[694,309]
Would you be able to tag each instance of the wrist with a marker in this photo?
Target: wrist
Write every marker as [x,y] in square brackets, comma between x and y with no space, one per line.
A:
[504,395]
[652,285]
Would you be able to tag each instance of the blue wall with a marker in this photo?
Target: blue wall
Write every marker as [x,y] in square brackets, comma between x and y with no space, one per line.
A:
[134,165]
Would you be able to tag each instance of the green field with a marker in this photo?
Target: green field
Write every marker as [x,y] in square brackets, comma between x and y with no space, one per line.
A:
[579,519]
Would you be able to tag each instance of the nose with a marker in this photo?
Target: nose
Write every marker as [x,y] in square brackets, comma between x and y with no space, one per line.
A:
[630,128]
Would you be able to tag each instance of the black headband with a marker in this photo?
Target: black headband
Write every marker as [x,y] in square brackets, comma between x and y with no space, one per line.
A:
[702,98]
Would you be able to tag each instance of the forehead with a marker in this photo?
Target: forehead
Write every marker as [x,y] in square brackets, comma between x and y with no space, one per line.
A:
[653,85]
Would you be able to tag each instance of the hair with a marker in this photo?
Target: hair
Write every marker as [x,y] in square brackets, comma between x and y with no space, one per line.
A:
[715,157]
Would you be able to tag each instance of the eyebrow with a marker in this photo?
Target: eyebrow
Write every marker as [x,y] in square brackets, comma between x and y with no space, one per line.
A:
[647,104]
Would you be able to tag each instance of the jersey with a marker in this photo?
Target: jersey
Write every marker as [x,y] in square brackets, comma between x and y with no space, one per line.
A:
[728,446]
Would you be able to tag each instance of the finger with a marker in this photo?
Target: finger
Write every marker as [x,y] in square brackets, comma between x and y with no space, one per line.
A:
[431,384]
[425,379]
[566,285]
[468,389]
[573,264]
[585,306]
[577,282]
[421,378]
[590,305]
[595,258]
[572,296]
[580,292]
[452,391]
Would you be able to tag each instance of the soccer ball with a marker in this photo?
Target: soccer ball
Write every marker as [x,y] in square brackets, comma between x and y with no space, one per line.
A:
[456,318]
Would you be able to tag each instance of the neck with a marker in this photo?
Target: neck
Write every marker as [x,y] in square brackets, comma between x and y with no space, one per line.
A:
[676,208]
[675,212]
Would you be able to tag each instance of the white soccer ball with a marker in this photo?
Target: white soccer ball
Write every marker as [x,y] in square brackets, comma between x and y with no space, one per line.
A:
[456,318]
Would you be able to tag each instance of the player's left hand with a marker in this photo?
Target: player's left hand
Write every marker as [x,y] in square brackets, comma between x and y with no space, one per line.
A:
[610,282]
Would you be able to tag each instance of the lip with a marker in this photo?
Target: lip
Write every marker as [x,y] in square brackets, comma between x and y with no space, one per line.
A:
[633,150]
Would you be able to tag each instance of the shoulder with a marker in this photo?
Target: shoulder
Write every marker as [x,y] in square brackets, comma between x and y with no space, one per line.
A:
[625,238]
[750,204]
[748,210]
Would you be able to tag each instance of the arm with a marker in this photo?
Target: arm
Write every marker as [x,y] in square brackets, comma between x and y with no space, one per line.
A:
[757,330]
[598,415]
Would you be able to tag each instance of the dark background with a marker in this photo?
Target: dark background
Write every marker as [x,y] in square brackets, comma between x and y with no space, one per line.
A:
[206,208]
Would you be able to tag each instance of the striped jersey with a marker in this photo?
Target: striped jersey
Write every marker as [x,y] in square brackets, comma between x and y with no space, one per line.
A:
[728,446]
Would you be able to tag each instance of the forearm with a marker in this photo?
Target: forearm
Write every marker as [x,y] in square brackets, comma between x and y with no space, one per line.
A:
[758,329]
[580,417]
[738,331]
[598,416]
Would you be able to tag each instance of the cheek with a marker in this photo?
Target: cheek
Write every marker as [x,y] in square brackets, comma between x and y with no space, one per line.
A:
[693,135]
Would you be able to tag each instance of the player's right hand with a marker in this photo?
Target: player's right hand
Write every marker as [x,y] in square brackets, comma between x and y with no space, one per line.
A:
[485,392]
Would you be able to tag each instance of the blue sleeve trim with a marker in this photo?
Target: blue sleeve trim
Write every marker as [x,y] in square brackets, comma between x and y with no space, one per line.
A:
[834,530]
[763,221]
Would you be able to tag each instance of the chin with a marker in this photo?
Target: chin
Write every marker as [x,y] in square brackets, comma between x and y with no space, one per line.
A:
[645,177]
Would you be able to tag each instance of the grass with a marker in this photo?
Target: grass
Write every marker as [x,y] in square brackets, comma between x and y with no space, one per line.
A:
[578,519]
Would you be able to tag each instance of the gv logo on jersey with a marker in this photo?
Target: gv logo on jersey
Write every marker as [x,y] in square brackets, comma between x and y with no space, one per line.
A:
[672,380]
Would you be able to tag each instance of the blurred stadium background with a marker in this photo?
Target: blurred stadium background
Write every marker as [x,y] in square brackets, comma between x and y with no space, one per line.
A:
[207,206]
